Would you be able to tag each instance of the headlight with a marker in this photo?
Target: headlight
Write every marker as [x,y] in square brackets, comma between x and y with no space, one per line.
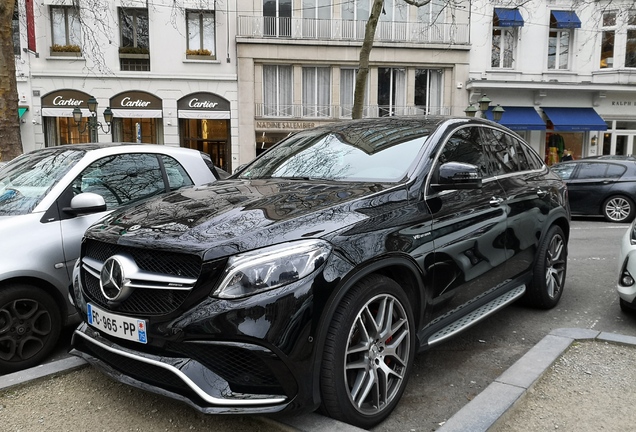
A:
[271,267]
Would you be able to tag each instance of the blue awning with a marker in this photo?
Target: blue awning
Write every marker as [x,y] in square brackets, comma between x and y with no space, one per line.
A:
[566,19]
[508,17]
[519,118]
[575,119]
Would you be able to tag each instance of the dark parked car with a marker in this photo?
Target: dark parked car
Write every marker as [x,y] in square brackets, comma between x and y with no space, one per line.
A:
[603,186]
[312,276]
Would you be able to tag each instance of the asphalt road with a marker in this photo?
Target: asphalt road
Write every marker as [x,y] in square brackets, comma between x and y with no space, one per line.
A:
[450,375]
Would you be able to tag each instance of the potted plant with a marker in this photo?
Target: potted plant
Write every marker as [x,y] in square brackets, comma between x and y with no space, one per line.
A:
[70,50]
[199,54]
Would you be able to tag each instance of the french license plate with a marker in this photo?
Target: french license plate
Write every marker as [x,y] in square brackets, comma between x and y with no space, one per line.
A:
[117,325]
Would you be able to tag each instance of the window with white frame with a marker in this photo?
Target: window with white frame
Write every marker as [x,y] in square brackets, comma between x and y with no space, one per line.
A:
[201,33]
[65,26]
[505,32]
[391,91]
[561,34]
[347,91]
[277,91]
[608,35]
[316,91]
[134,45]
[630,45]
[277,17]
[428,91]
[316,18]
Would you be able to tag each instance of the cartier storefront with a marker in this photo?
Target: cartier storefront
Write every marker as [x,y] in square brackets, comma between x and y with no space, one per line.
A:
[204,124]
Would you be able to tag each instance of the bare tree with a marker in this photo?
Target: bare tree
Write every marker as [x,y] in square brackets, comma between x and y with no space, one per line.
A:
[10,142]
[365,53]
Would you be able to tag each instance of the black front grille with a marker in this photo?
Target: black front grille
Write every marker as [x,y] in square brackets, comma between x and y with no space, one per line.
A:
[176,264]
[244,371]
[142,301]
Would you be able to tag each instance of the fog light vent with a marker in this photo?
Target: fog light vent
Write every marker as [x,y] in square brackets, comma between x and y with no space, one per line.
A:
[627,279]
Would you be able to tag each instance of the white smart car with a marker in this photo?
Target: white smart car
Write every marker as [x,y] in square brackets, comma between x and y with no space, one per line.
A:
[627,271]
[48,198]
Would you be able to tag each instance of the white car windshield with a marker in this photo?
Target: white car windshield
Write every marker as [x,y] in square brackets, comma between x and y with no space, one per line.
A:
[26,180]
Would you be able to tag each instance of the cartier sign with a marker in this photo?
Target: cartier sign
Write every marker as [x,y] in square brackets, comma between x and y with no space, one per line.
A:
[65,99]
[136,100]
[203,101]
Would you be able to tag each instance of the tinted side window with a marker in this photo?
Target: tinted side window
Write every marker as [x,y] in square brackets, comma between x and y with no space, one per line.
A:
[465,146]
[177,175]
[564,171]
[591,170]
[615,171]
[504,157]
[121,179]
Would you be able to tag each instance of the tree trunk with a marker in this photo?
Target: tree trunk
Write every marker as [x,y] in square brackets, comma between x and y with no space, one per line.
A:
[10,142]
[365,52]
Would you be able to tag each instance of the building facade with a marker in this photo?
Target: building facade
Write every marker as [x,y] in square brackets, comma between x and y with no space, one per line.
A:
[231,78]
[166,70]
[298,61]
[564,71]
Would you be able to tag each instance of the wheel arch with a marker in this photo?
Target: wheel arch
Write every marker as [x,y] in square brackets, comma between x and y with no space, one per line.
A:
[45,286]
[401,269]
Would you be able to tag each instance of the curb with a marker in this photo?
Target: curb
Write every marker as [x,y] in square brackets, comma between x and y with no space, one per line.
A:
[478,415]
[60,366]
[494,401]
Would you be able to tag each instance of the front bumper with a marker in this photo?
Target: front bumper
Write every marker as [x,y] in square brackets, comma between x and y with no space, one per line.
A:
[180,378]
[627,270]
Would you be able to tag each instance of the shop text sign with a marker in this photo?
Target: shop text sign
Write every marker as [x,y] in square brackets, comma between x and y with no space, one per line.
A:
[284,125]
[623,103]
[203,101]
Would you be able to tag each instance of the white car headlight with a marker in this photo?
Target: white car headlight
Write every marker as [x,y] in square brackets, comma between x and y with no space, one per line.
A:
[271,267]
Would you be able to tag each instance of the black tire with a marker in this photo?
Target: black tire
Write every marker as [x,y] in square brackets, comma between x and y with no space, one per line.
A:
[549,271]
[618,208]
[30,326]
[626,307]
[382,362]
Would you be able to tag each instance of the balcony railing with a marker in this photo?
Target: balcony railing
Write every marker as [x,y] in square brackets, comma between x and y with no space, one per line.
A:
[348,30]
[331,112]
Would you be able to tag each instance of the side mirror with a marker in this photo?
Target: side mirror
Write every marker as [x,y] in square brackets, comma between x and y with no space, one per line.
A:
[457,175]
[85,203]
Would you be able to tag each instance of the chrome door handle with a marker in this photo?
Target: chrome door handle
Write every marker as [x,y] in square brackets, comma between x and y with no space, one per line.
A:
[496,202]
[541,193]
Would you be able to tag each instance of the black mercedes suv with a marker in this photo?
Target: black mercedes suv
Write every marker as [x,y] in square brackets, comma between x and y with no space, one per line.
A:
[312,277]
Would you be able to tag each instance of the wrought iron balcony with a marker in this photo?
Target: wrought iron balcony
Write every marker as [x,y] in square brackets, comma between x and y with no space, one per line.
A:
[259,27]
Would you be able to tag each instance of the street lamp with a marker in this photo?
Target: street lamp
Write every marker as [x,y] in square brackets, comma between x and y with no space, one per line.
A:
[92,124]
[484,103]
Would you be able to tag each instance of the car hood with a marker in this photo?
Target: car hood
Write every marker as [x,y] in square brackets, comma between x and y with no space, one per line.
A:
[231,216]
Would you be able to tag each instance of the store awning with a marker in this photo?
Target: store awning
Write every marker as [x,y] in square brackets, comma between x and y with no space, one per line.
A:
[139,113]
[575,119]
[519,118]
[21,111]
[203,115]
[508,17]
[566,19]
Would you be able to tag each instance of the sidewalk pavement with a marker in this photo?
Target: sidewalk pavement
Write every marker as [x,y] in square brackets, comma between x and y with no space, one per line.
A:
[478,415]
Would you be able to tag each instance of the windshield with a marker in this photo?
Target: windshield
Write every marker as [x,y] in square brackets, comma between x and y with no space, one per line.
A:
[341,156]
[27,179]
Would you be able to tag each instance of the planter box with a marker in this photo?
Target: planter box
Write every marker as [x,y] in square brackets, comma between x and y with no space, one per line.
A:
[65,54]
[133,56]
[200,57]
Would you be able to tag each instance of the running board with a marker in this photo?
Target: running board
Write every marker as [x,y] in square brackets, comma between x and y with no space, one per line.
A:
[477,315]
